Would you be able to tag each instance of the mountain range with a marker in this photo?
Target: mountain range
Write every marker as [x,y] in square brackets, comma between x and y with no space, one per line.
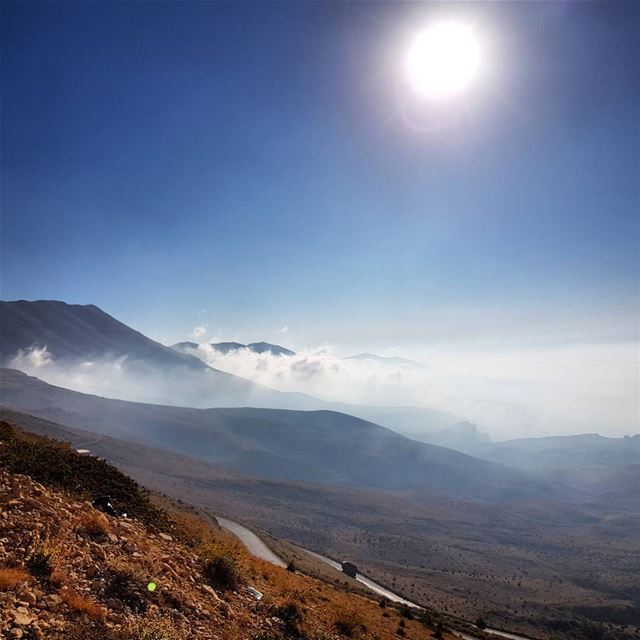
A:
[229,347]
[500,530]
[84,336]
[302,446]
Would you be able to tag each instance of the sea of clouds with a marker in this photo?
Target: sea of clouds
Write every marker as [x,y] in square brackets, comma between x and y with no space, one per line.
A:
[508,392]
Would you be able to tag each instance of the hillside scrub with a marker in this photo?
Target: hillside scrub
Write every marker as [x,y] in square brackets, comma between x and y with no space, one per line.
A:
[68,571]
[58,465]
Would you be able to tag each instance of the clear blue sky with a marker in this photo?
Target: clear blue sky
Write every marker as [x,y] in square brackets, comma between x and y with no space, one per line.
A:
[253,161]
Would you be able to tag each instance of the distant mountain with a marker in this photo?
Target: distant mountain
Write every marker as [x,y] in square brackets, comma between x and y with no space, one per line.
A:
[185,347]
[80,332]
[385,359]
[274,349]
[581,459]
[462,436]
[75,335]
[228,347]
[315,446]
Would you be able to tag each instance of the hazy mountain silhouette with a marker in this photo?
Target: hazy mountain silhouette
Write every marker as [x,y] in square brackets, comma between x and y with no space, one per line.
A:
[228,347]
[462,436]
[81,333]
[385,359]
[315,446]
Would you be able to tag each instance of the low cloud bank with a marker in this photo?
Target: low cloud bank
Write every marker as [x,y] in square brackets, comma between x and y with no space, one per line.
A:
[509,393]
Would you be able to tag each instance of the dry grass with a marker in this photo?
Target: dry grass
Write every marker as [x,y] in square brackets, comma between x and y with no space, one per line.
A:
[11,577]
[81,604]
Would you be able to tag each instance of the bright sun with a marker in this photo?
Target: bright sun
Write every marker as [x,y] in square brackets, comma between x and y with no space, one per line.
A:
[443,60]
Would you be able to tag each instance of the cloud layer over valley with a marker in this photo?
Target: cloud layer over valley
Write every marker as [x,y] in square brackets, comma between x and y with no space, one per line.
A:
[510,392]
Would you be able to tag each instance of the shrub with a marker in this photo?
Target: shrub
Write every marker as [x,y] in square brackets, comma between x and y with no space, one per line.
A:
[40,565]
[123,586]
[291,615]
[346,627]
[222,572]
[56,464]
[405,612]
[11,577]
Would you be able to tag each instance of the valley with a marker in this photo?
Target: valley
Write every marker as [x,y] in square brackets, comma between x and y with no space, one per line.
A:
[525,566]
[525,535]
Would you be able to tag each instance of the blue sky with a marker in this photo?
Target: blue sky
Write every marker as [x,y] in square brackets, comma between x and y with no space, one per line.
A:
[249,166]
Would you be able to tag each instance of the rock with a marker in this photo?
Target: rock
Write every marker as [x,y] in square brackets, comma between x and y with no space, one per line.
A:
[98,551]
[21,619]
[92,571]
[15,633]
[166,536]
[29,597]
[211,592]
[52,601]
[129,547]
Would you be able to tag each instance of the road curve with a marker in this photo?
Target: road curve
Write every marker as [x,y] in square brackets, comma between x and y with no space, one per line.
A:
[258,548]
[250,540]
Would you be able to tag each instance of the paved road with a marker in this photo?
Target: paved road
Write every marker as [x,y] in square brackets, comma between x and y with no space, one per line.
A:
[259,549]
[494,632]
[250,540]
[374,586]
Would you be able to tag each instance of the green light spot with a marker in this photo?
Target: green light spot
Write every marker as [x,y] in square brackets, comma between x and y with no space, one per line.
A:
[152,586]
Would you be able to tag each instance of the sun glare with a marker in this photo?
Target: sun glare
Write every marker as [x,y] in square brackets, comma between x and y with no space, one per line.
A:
[443,60]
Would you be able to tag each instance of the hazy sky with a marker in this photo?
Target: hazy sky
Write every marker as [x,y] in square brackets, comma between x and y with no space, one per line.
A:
[248,167]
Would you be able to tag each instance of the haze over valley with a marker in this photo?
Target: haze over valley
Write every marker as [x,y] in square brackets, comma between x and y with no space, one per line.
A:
[319,320]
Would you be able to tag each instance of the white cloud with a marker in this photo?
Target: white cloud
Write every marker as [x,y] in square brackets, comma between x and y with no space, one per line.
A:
[510,392]
[283,329]
[34,357]
[198,332]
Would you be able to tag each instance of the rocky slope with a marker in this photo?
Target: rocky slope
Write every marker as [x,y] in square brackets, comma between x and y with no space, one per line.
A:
[70,571]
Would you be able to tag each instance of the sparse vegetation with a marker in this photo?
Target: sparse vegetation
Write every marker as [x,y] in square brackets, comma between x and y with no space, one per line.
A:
[81,604]
[11,577]
[122,585]
[56,464]
[222,573]
[291,615]
[349,624]
[40,564]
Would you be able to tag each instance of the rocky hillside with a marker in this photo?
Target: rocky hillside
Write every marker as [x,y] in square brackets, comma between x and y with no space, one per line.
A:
[68,570]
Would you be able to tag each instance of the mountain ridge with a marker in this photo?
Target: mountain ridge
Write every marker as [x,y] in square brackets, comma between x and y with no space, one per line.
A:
[316,446]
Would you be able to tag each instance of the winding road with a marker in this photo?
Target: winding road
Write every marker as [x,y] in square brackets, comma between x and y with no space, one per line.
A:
[373,586]
[250,540]
[258,548]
